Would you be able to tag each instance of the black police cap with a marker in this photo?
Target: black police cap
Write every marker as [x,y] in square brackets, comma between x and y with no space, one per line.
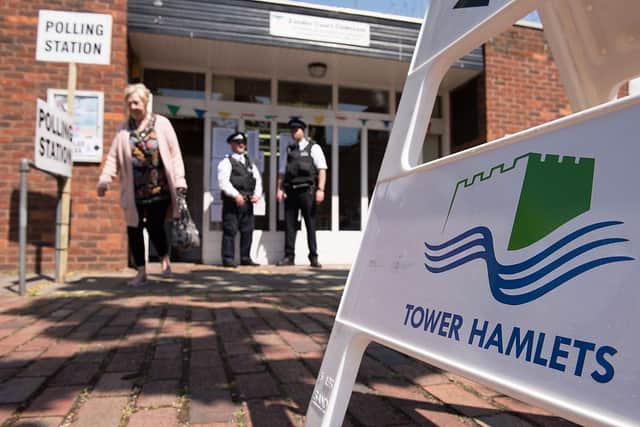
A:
[237,137]
[296,123]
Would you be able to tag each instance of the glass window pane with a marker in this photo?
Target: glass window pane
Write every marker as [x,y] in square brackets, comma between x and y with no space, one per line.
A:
[304,94]
[174,83]
[349,178]
[254,91]
[363,100]
[223,88]
[264,135]
[377,144]
[466,115]
[437,106]
[321,135]
[431,148]
[241,90]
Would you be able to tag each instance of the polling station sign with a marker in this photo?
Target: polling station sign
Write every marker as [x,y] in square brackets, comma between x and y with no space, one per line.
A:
[74,37]
[54,140]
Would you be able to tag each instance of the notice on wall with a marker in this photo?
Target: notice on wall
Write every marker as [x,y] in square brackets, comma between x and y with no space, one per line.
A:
[88,116]
[319,29]
[285,140]
[219,149]
[53,140]
[74,37]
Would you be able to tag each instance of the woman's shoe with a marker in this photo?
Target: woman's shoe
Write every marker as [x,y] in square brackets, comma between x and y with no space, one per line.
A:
[166,266]
[139,280]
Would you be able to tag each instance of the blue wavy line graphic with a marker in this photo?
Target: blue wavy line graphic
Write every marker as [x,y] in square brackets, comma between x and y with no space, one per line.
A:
[495,270]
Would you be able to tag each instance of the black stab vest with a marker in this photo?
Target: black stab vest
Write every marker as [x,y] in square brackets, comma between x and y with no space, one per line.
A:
[300,173]
[242,176]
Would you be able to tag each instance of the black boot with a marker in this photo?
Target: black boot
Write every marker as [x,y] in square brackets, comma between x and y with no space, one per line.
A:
[313,260]
[229,263]
[287,260]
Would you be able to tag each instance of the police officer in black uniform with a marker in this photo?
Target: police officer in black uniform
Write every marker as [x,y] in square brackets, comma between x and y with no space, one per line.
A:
[301,185]
[241,186]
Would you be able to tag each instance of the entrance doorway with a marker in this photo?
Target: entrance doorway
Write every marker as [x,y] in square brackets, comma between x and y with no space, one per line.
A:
[190,136]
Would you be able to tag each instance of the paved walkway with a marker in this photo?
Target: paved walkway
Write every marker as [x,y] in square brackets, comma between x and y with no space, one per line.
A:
[210,347]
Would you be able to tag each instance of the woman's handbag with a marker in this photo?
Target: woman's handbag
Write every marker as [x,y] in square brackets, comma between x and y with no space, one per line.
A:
[185,233]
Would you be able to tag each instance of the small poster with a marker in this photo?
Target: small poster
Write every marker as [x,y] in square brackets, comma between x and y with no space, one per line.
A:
[285,141]
[219,149]
[253,144]
[88,113]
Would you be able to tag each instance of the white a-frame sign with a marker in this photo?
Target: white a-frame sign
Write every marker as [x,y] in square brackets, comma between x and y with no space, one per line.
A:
[515,263]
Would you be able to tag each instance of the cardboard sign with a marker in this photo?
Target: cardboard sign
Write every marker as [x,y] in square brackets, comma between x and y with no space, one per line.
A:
[514,263]
[54,140]
[74,37]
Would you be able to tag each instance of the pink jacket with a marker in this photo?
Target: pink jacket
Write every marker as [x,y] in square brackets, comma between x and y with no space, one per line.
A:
[119,162]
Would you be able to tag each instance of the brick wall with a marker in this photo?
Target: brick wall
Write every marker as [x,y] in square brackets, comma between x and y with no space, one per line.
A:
[523,87]
[97,233]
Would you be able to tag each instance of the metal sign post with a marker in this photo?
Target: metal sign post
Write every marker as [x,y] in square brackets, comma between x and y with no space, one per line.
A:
[22,230]
[514,263]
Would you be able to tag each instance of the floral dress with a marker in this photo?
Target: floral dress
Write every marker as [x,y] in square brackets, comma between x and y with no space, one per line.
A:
[149,177]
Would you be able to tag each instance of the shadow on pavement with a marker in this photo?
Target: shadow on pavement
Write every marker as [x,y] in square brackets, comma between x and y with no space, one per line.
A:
[212,345]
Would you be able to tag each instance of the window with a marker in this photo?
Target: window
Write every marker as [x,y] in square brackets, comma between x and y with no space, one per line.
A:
[264,145]
[437,106]
[465,117]
[377,140]
[363,100]
[432,148]
[304,95]
[174,83]
[241,90]
[322,135]
[349,178]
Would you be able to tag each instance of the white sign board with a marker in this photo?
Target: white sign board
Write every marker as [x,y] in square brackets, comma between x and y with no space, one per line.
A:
[515,263]
[88,110]
[319,29]
[74,37]
[53,142]
[517,268]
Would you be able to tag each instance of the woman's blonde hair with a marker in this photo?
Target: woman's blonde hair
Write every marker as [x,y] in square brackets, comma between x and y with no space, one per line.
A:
[139,89]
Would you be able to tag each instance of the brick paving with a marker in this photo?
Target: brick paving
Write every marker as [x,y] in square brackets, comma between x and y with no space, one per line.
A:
[211,347]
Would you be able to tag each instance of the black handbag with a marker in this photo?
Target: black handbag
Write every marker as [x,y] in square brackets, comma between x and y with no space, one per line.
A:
[185,233]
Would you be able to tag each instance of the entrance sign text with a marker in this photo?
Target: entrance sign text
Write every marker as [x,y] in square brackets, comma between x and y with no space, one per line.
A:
[53,143]
[74,37]
[319,29]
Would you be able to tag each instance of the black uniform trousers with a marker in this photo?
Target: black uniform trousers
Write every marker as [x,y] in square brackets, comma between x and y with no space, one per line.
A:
[304,201]
[236,218]
[152,216]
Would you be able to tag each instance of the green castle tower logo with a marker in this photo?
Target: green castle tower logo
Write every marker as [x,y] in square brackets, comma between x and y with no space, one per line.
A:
[554,191]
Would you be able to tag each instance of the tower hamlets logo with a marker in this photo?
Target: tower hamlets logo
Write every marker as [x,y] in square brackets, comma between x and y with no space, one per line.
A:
[554,192]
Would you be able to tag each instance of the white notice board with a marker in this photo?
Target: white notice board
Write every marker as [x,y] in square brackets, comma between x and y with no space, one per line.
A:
[88,121]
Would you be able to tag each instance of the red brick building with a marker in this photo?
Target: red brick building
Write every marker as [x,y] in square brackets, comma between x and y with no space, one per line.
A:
[512,84]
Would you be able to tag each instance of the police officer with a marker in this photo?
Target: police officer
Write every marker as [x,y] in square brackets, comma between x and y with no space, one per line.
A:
[241,187]
[301,184]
